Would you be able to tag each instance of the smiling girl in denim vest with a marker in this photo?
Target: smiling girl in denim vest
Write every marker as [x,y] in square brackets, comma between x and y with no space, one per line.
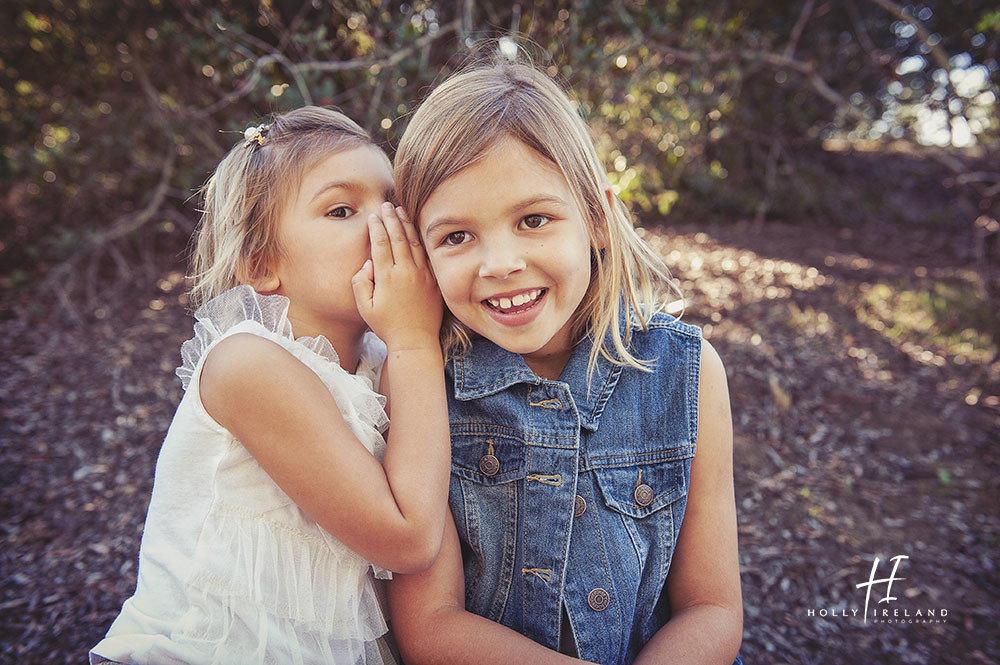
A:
[277,499]
[591,479]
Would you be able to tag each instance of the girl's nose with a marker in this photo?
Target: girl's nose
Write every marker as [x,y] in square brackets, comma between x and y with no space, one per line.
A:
[501,259]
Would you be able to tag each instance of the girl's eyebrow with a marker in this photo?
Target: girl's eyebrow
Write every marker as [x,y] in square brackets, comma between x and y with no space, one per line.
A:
[337,184]
[520,205]
[535,200]
[442,221]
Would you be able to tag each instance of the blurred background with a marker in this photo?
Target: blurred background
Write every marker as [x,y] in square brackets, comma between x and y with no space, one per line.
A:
[822,178]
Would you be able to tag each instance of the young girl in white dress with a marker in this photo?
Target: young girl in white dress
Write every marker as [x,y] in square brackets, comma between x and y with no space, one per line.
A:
[277,502]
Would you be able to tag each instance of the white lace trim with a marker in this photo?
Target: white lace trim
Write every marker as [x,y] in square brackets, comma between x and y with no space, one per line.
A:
[241,309]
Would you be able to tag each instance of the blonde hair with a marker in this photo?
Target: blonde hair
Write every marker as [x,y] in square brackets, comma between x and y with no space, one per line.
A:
[237,238]
[469,113]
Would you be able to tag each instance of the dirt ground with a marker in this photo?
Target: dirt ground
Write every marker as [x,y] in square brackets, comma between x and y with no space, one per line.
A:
[864,430]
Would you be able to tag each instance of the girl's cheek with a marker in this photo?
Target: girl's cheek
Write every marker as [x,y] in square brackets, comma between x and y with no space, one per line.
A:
[449,281]
[441,265]
[453,281]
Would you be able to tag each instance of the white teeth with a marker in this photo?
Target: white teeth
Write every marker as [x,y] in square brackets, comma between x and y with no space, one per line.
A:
[515,301]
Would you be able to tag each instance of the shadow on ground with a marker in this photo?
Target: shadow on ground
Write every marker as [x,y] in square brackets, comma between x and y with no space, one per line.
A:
[864,380]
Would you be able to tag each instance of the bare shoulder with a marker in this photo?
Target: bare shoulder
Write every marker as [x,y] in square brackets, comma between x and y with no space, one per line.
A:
[713,372]
[245,371]
[242,356]
[715,428]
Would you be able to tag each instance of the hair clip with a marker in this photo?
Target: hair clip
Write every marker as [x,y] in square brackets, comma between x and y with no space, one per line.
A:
[255,134]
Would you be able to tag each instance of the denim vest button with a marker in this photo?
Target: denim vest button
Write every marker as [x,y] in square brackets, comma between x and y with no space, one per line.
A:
[579,506]
[598,599]
[489,465]
[643,495]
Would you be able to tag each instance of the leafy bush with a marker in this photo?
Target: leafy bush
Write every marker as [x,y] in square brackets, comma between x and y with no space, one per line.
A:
[113,114]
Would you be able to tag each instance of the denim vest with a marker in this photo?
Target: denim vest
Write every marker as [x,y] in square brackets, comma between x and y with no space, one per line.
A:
[569,499]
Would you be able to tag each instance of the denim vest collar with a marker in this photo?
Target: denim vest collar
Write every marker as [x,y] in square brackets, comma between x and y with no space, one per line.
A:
[487,369]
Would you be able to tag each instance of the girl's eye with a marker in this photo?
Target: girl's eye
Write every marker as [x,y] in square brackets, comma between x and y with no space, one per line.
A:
[455,238]
[535,221]
[340,212]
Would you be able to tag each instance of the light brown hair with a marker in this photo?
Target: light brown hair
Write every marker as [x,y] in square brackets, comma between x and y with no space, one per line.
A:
[469,113]
[237,238]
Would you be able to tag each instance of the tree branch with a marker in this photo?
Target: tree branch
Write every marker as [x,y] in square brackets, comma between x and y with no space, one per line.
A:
[296,69]
[464,26]
[941,58]
[800,25]
[273,55]
[294,24]
[864,38]
[775,60]
[938,54]
[389,61]
[121,227]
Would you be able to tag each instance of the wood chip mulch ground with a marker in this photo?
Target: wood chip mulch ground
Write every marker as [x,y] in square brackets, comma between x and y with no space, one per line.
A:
[856,439]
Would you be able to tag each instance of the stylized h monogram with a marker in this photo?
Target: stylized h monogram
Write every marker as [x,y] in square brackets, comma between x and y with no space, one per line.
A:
[888,580]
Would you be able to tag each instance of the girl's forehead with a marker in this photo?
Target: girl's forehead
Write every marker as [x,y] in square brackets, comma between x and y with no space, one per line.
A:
[508,181]
[506,167]
[358,167]
[362,163]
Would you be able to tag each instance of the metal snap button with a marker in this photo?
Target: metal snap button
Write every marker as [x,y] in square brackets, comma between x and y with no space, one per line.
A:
[579,506]
[598,599]
[489,465]
[643,495]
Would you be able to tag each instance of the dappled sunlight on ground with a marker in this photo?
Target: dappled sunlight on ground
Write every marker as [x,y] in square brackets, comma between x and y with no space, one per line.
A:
[853,361]
[850,440]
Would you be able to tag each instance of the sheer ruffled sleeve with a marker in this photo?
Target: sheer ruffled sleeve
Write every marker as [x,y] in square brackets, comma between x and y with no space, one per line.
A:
[241,309]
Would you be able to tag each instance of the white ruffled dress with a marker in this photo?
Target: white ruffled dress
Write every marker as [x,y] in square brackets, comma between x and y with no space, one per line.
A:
[231,571]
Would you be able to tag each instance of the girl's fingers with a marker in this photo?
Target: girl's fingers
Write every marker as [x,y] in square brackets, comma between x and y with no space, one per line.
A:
[413,236]
[397,236]
[382,249]
[363,284]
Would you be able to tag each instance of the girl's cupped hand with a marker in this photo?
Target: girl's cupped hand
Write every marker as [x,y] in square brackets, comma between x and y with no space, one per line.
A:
[395,290]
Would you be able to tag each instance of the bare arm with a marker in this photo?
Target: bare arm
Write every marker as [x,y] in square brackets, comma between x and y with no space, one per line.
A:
[706,623]
[391,514]
[431,624]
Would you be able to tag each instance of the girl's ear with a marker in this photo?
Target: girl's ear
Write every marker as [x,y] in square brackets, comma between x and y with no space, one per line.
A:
[263,280]
[266,283]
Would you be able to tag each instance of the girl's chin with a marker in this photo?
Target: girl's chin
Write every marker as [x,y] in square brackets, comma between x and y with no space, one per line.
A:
[524,345]
[509,342]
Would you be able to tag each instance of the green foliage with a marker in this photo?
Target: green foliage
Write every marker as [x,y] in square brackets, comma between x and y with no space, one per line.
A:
[697,108]
[989,22]
[944,476]
[944,316]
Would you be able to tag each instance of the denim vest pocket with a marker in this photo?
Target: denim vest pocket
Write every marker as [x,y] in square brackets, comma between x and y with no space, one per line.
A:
[646,494]
[649,494]
[664,477]
[484,501]
[471,452]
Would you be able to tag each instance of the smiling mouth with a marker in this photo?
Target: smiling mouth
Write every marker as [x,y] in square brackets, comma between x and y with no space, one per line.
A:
[517,303]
